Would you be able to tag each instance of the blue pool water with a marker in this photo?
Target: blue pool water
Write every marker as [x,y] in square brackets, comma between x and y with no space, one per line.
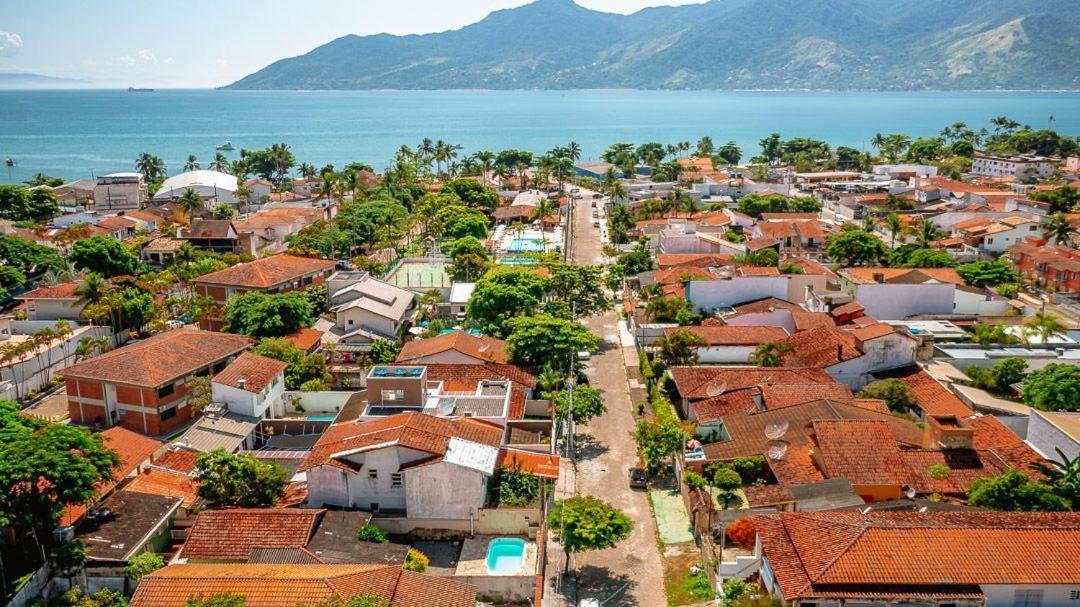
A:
[320,418]
[505,555]
[71,133]
[526,245]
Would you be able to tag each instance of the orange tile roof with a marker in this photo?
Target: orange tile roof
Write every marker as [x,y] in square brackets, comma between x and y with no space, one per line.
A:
[757,271]
[481,347]
[820,347]
[805,321]
[696,383]
[305,338]
[732,335]
[776,229]
[776,396]
[292,585]
[866,275]
[132,448]
[266,272]
[789,216]
[767,304]
[167,484]
[933,398]
[862,451]
[681,274]
[64,290]
[231,534]
[471,374]
[416,431]
[257,372]
[160,359]
[926,553]
[179,460]
[540,464]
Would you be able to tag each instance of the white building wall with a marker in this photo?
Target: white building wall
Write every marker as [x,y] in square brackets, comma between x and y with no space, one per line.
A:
[1046,438]
[445,490]
[880,354]
[1053,595]
[328,485]
[365,490]
[708,295]
[899,301]
[776,318]
[1001,241]
[725,354]
[974,303]
[355,318]
[264,404]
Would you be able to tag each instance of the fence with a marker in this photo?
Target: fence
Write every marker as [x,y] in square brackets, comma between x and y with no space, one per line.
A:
[489,521]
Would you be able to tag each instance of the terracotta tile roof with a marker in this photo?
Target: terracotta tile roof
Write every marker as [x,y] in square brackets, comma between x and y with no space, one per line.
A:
[696,383]
[965,467]
[732,335]
[160,359]
[776,229]
[776,396]
[164,244]
[933,553]
[480,347]
[300,584]
[797,467]
[804,321]
[257,372]
[852,307]
[167,484]
[757,271]
[180,460]
[232,534]
[789,216]
[471,374]
[132,448]
[540,464]
[757,244]
[862,451]
[210,228]
[731,403]
[702,260]
[412,430]
[866,275]
[820,347]
[680,274]
[767,304]
[305,338]
[64,290]
[874,330]
[933,398]
[267,272]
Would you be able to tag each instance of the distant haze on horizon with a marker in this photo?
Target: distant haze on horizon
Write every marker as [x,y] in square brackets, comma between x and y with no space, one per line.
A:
[207,43]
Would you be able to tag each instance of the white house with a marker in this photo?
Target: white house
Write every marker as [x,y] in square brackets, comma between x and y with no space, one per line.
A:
[709,296]
[367,309]
[897,293]
[252,386]
[211,185]
[729,344]
[1024,168]
[852,356]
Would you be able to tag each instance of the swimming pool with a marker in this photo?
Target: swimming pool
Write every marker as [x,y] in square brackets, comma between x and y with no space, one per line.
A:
[321,418]
[505,555]
[526,245]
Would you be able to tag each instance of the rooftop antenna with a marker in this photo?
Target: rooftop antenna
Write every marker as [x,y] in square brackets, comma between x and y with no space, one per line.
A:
[865,510]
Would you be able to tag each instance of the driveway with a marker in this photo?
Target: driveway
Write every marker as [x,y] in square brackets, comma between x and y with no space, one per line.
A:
[632,570]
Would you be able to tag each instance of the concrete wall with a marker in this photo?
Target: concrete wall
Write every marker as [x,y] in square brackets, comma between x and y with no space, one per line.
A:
[708,295]
[33,372]
[355,318]
[1054,595]
[365,490]
[445,490]
[328,402]
[267,403]
[797,284]
[725,354]
[880,354]
[897,301]
[517,588]
[776,318]
[1047,437]
[54,309]
[493,521]
[974,303]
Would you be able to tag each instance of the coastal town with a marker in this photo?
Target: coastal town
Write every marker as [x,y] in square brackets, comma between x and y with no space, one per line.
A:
[678,373]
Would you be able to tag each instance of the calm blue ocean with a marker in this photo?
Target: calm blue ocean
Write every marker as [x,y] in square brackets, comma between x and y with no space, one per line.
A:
[74,133]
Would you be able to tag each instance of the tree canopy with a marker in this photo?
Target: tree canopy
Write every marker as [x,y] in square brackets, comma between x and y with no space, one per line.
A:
[658,439]
[21,204]
[226,479]
[579,287]
[301,367]
[855,247]
[503,294]
[987,273]
[1055,387]
[588,403]
[105,256]
[587,523]
[544,339]
[1015,491]
[268,315]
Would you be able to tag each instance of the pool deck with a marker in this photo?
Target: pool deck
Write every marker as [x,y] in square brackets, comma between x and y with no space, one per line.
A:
[473,558]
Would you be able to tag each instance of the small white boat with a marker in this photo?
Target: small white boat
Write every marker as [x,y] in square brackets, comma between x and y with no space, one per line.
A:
[9,161]
[226,147]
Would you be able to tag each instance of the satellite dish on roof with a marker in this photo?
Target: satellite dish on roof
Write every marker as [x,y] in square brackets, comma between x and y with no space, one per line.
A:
[716,388]
[777,449]
[910,492]
[776,431]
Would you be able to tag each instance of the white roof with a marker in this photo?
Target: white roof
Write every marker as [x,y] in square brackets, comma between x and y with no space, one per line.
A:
[175,185]
[471,455]
[460,292]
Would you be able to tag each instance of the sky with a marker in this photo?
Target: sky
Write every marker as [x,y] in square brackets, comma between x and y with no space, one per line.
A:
[206,43]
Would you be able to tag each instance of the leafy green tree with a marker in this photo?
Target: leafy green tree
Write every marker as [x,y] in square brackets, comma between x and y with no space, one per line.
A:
[1009,371]
[105,256]
[587,523]
[727,482]
[516,487]
[986,335]
[581,287]
[930,258]
[415,561]
[106,597]
[658,439]
[468,244]
[469,267]
[1063,475]
[770,355]
[384,351]
[317,297]
[368,599]
[588,403]
[694,481]
[473,192]
[543,339]
[300,366]
[1055,387]
[855,247]
[987,273]
[268,315]
[227,479]
[216,600]
[1060,230]
[455,220]
[1014,491]
[142,564]
[894,392]
[637,260]
[1062,200]
[20,204]
[680,348]
[29,257]
[223,211]
[620,222]
[756,204]
[501,295]
[371,533]
[69,558]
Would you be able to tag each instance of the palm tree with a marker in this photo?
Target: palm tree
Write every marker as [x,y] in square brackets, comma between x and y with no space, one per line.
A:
[609,181]
[895,227]
[151,167]
[770,355]
[486,160]
[1045,325]
[306,169]
[1063,474]
[185,254]
[220,164]
[192,163]
[618,191]
[1059,229]
[10,354]
[544,207]
[573,151]
[928,233]
[92,289]
[191,204]
[283,159]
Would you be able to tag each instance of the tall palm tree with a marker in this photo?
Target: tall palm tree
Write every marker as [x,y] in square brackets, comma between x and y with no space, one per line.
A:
[1045,325]
[770,355]
[282,158]
[618,191]
[306,169]
[486,160]
[192,163]
[928,233]
[573,151]
[544,207]
[220,164]
[191,204]
[92,289]
[90,346]
[151,167]
[895,227]
[1059,229]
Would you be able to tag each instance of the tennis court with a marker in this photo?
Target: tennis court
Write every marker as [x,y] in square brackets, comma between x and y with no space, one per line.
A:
[420,274]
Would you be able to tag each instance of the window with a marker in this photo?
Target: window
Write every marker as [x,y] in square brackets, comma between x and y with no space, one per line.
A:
[393,395]
[166,390]
[168,413]
[373,474]
[397,480]
[1028,598]
[1074,595]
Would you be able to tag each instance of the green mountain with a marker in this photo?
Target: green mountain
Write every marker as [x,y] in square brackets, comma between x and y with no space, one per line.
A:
[782,44]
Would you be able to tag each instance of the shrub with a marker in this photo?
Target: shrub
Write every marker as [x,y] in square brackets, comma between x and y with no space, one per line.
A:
[371,533]
[415,561]
[742,532]
[517,488]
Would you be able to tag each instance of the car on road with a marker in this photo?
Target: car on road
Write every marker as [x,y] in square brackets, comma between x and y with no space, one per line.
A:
[639,479]
[584,355]
[596,223]
[575,191]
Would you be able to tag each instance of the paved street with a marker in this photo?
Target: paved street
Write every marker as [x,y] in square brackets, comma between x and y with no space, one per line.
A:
[606,450]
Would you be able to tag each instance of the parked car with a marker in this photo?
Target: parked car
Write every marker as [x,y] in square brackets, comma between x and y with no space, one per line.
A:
[639,479]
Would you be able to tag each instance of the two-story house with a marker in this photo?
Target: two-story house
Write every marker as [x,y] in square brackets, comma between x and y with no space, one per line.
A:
[367,309]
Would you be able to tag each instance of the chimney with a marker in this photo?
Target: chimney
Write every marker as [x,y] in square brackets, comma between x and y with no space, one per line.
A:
[242,383]
[879,277]
[946,432]
[839,352]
